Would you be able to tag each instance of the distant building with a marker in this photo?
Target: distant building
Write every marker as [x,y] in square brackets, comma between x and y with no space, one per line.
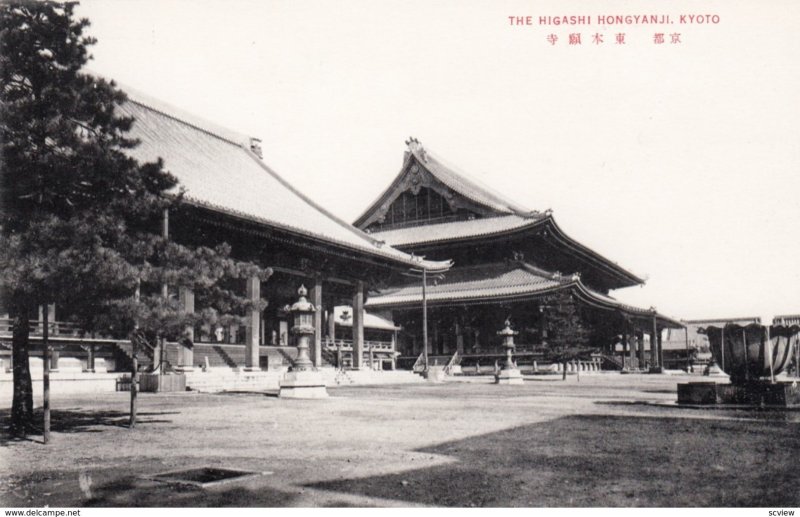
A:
[786,320]
[691,343]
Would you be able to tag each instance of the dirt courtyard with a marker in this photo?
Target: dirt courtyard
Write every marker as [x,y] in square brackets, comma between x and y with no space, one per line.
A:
[608,440]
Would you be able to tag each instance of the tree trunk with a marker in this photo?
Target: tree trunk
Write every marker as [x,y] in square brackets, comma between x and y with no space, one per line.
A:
[134,379]
[22,403]
[46,357]
[564,371]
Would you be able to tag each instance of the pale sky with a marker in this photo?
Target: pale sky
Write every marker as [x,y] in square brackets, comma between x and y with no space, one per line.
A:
[678,161]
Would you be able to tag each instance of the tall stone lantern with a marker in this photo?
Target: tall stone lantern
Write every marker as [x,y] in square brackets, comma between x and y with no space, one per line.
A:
[508,374]
[302,381]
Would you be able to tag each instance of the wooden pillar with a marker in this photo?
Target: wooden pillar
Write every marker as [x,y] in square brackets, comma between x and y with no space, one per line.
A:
[332,323]
[629,341]
[186,345]
[251,356]
[358,325]
[54,356]
[625,345]
[316,299]
[459,340]
[653,345]
[640,343]
[90,359]
[659,344]
[543,326]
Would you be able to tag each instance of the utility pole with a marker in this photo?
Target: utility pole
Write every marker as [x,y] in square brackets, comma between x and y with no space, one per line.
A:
[423,273]
[425,319]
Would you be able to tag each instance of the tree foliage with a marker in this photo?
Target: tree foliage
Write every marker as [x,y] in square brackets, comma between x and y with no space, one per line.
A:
[568,336]
[79,217]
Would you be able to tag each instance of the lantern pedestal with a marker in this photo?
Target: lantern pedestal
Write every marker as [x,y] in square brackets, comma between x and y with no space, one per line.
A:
[756,393]
[435,374]
[303,384]
[509,376]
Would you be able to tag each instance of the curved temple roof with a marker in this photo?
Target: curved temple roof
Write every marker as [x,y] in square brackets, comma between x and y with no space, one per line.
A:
[490,283]
[220,172]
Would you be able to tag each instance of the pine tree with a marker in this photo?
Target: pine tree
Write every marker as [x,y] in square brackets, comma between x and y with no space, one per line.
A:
[79,218]
[568,337]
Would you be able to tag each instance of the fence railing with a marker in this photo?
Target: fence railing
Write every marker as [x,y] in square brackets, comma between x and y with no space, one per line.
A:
[346,345]
[55,328]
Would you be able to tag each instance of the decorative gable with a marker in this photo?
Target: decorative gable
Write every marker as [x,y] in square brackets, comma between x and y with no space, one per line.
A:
[426,192]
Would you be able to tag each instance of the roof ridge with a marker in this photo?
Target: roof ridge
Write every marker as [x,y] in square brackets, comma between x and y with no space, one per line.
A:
[423,155]
[177,114]
[185,122]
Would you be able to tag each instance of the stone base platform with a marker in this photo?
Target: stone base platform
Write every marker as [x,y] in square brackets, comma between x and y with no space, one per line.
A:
[303,384]
[435,374]
[158,383]
[510,376]
[757,394]
[61,383]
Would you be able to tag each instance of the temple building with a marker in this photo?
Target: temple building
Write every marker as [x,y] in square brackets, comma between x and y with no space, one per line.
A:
[231,195]
[508,261]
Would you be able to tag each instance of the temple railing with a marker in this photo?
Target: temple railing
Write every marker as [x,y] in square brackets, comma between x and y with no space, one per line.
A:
[454,361]
[56,328]
[346,345]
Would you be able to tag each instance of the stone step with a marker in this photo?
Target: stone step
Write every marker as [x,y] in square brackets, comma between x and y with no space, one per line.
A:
[215,380]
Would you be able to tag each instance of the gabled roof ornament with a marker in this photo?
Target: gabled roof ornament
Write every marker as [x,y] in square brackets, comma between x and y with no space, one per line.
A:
[255,147]
[416,148]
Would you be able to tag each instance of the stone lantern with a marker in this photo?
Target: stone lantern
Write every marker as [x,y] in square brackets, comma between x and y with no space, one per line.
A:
[302,380]
[509,373]
[303,313]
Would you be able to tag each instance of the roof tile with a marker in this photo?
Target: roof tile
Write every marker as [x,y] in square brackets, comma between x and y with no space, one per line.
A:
[219,172]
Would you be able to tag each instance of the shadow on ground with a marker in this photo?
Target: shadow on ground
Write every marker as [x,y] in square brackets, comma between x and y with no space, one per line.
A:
[82,421]
[129,493]
[605,461]
[114,487]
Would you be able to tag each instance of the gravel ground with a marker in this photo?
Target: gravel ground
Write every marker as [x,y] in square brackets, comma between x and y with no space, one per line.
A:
[608,440]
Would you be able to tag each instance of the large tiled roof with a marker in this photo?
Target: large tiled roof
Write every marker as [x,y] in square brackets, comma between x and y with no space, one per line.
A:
[218,171]
[493,226]
[454,230]
[488,283]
